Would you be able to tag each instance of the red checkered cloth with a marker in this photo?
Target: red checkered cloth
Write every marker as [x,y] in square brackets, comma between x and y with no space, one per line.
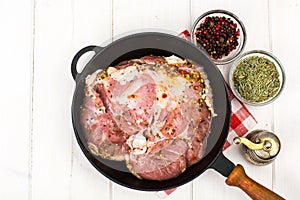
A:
[241,120]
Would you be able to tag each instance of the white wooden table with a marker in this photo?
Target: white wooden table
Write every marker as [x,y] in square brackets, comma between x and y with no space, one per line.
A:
[39,156]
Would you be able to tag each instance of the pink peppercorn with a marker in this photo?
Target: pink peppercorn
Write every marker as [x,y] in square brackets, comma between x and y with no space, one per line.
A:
[218,35]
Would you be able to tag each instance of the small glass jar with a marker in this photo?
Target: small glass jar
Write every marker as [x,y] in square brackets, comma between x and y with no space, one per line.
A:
[271,58]
[239,26]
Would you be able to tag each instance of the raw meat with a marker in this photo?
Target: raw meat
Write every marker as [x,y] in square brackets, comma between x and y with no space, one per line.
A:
[154,112]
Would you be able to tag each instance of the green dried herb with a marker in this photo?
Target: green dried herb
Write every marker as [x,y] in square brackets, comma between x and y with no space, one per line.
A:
[256,79]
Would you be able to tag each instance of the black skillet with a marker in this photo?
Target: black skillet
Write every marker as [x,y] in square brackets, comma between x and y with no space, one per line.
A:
[142,44]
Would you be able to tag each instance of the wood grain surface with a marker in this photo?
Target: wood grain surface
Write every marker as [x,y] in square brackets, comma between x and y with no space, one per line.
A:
[40,158]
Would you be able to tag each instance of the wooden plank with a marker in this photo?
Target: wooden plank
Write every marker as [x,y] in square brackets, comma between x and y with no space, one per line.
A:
[92,26]
[92,23]
[52,132]
[136,15]
[131,16]
[284,19]
[51,155]
[86,181]
[120,192]
[15,84]
[256,40]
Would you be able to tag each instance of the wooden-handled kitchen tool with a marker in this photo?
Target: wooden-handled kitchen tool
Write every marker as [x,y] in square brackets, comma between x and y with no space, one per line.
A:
[239,178]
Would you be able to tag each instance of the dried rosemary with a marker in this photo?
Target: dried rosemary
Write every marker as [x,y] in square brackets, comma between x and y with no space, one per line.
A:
[256,79]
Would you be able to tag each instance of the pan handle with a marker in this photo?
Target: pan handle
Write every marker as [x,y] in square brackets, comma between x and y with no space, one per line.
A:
[94,48]
[237,177]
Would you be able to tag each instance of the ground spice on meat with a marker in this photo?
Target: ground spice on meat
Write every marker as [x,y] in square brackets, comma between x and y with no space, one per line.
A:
[153,112]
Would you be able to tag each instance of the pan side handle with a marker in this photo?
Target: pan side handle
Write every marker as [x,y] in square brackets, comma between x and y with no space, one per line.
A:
[94,48]
[239,178]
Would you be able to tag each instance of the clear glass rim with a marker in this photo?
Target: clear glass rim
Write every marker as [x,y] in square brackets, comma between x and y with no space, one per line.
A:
[278,65]
[240,23]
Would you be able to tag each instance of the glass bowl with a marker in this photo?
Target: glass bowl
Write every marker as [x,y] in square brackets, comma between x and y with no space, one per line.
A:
[225,59]
[258,77]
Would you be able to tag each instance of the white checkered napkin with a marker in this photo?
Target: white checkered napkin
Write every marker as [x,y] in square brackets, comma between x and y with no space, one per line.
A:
[241,120]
